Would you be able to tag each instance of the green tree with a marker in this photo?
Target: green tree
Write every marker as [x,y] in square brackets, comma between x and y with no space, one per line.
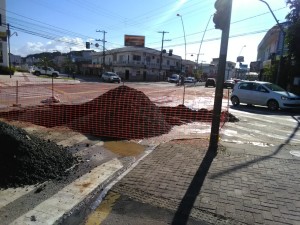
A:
[293,32]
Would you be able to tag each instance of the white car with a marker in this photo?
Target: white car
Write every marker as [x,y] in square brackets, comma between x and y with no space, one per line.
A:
[264,94]
[45,70]
[111,77]
[174,78]
[190,80]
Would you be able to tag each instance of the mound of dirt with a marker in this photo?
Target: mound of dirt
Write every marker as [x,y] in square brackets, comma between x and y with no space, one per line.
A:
[122,112]
[28,160]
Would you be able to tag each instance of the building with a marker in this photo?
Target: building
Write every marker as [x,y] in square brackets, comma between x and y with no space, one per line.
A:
[15,60]
[270,47]
[136,63]
[229,69]
[3,36]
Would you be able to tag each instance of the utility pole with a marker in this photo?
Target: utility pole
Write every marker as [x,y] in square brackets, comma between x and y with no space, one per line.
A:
[222,21]
[103,44]
[162,48]
[8,42]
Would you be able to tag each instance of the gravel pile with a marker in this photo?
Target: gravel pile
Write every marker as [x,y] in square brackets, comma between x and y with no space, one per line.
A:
[28,160]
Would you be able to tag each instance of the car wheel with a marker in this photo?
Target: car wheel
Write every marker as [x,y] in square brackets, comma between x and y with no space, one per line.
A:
[37,73]
[235,101]
[273,105]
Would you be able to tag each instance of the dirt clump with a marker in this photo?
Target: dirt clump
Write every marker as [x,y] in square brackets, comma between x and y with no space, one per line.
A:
[27,160]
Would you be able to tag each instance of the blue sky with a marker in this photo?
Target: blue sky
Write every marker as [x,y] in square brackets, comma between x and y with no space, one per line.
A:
[67,24]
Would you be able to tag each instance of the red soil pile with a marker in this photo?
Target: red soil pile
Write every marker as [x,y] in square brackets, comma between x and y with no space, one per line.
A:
[122,112]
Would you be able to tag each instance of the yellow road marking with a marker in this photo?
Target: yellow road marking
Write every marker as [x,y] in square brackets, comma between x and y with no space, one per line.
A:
[103,210]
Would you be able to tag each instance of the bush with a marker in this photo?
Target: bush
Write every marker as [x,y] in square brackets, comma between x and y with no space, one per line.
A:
[21,70]
[6,71]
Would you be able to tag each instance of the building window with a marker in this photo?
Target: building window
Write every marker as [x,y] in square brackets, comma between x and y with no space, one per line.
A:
[137,58]
[157,60]
[148,59]
[168,62]
[121,58]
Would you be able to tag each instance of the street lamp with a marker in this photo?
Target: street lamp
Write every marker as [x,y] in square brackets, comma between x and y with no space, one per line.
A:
[242,50]
[202,38]
[184,35]
[8,40]
[282,45]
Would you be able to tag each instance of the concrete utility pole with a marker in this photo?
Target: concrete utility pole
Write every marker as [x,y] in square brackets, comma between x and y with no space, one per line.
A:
[222,20]
[8,42]
[103,51]
[162,48]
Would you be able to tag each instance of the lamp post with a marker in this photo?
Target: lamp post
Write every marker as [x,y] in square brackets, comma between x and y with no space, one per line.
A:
[282,45]
[184,35]
[242,50]
[8,42]
[203,38]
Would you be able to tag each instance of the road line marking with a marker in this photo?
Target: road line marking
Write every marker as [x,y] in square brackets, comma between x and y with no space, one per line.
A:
[52,209]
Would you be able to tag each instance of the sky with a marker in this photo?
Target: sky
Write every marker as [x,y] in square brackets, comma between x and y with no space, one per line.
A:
[65,25]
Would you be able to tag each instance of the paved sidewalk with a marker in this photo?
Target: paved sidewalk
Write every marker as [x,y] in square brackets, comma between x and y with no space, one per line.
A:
[237,189]
[28,78]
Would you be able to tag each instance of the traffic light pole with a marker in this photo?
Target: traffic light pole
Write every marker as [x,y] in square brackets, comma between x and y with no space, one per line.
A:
[216,116]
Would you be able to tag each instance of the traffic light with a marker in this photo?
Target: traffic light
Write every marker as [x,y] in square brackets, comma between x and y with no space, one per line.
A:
[222,15]
[87,45]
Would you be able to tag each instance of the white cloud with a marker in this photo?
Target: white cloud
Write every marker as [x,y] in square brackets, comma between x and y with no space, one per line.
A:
[63,44]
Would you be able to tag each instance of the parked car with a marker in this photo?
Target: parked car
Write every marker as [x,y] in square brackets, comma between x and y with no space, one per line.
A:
[44,70]
[210,82]
[264,94]
[229,84]
[111,77]
[174,78]
[190,80]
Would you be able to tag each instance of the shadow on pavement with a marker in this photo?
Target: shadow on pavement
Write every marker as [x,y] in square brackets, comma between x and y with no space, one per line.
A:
[277,150]
[184,209]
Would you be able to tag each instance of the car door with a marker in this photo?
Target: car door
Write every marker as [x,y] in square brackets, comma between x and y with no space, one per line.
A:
[260,95]
[245,92]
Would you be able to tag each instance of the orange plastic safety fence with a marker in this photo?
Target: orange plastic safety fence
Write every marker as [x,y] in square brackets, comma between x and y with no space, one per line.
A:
[130,111]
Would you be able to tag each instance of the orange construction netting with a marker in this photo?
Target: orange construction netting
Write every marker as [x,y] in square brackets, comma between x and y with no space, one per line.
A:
[126,111]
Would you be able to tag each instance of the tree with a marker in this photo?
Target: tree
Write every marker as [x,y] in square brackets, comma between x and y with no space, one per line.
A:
[293,32]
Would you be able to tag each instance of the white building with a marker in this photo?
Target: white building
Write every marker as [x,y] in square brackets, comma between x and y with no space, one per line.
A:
[3,37]
[136,63]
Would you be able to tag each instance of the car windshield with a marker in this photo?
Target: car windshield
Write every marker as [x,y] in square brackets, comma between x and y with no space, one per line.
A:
[274,87]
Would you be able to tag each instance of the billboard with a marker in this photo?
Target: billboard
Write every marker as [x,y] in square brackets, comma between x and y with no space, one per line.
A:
[240,59]
[134,40]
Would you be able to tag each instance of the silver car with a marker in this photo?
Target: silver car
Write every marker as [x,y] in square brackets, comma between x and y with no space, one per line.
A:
[265,94]
[111,77]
